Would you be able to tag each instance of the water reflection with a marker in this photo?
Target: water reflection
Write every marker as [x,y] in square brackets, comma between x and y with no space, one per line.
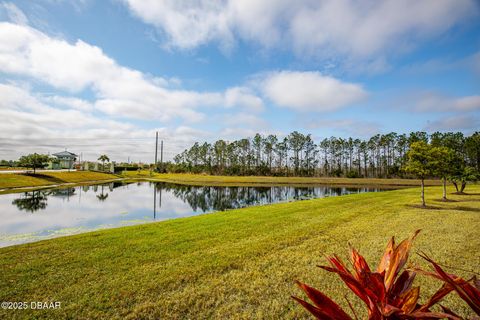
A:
[31,201]
[208,199]
[61,193]
[103,196]
[84,208]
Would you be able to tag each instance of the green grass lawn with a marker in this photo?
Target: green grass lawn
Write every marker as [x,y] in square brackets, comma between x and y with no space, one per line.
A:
[13,180]
[239,264]
[200,179]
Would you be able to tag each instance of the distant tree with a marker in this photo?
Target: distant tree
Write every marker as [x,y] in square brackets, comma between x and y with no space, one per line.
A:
[103,158]
[442,162]
[257,145]
[462,176]
[380,156]
[419,163]
[281,151]
[269,144]
[220,151]
[34,161]
[296,142]
[417,136]
[472,150]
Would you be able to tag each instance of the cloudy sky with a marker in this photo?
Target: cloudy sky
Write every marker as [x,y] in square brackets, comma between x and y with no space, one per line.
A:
[102,76]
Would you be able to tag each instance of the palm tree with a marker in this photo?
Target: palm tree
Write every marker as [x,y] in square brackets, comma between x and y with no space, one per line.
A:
[103,158]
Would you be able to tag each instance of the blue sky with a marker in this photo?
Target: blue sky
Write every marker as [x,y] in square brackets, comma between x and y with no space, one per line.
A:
[102,76]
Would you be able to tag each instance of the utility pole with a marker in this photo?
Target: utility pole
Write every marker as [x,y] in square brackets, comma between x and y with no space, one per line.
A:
[156,148]
[161,153]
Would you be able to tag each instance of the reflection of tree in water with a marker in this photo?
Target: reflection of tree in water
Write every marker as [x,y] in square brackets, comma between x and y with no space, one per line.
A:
[32,201]
[206,198]
[103,196]
[111,186]
[62,193]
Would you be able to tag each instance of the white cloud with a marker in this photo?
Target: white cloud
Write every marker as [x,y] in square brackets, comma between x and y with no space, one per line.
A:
[185,24]
[32,124]
[44,122]
[244,98]
[69,102]
[459,122]
[310,91]
[120,91]
[432,101]
[245,120]
[320,28]
[13,13]
[469,103]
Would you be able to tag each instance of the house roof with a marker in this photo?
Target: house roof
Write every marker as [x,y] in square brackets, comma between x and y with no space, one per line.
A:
[65,154]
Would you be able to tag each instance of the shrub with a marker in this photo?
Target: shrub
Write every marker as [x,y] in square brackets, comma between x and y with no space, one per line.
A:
[352,174]
[388,292]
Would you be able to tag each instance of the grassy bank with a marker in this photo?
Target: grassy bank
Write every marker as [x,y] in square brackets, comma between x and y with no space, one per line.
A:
[199,179]
[9,181]
[235,264]
[13,180]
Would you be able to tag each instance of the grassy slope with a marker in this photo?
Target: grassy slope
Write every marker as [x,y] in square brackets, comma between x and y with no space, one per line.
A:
[236,264]
[12,180]
[54,178]
[199,179]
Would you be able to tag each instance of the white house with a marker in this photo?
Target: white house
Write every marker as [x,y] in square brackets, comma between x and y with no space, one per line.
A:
[66,160]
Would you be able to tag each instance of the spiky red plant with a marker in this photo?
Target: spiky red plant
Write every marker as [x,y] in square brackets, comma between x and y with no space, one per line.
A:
[388,292]
[468,292]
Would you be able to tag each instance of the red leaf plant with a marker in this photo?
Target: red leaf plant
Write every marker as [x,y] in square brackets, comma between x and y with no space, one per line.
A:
[388,292]
[470,293]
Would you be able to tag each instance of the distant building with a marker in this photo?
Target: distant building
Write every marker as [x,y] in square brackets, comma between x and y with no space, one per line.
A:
[66,159]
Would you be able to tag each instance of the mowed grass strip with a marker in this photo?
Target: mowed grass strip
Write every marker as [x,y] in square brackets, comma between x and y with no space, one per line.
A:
[239,264]
[14,180]
[200,179]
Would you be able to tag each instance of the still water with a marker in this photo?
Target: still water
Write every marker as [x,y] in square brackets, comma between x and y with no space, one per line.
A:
[37,215]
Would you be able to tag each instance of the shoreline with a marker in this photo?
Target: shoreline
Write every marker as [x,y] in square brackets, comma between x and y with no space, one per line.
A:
[220,181]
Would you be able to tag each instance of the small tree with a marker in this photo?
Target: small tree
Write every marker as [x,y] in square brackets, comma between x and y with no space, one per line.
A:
[443,162]
[420,164]
[34,161]
[462,176]
[103,158]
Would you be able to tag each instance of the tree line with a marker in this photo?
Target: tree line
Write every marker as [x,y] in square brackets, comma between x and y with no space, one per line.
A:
[297,154]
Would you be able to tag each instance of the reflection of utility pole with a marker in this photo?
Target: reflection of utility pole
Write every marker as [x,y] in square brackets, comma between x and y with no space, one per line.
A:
[160,200]
[154,201]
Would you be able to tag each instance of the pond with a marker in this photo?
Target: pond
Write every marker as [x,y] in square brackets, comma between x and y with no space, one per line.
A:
[36,215]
